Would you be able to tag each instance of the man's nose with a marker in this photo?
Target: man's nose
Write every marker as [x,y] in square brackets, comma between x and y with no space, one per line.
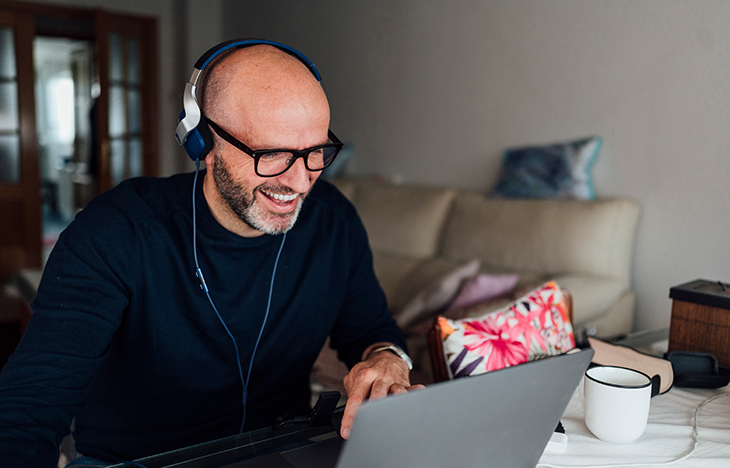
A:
[297,178]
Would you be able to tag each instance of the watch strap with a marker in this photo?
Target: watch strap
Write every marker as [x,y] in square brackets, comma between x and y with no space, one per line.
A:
[395,350]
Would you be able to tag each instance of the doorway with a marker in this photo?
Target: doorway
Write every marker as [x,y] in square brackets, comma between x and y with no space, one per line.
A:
[66,91]
[78,114]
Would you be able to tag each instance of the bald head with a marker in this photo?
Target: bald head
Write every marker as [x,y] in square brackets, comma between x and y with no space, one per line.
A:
[262,86]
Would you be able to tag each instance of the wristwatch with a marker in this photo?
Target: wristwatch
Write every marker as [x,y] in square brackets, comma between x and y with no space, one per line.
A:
[395,350]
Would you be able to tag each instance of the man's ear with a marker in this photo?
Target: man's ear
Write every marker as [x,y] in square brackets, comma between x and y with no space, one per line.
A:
[210,157]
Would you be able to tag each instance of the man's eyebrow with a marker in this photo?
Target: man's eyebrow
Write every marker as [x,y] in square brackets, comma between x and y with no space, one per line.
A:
[327,141]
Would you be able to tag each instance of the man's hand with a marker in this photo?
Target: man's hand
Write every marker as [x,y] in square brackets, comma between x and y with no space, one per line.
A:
[381,374]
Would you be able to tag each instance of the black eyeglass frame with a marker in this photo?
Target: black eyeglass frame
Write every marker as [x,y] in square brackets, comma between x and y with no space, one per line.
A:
[256,154]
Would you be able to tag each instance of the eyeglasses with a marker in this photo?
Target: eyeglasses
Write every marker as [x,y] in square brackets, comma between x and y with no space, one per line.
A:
[274,162]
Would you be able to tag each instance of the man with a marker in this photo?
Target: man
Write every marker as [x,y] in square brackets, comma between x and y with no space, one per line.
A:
[123,338]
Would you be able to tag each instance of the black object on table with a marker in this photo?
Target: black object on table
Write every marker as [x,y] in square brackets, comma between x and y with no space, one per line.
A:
[259,447]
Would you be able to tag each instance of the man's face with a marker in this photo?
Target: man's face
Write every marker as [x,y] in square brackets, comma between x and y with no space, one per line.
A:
[265,204]
[266,99]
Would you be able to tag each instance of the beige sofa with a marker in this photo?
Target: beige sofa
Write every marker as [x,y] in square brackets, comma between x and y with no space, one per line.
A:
[419,234]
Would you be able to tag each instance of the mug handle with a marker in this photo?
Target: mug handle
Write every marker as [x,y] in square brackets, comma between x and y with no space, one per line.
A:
[656,382]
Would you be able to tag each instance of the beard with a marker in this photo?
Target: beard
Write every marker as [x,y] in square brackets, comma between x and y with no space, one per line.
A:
[243,202]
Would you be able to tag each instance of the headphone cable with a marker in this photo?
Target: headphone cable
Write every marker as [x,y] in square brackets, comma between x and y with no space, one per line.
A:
[204,287]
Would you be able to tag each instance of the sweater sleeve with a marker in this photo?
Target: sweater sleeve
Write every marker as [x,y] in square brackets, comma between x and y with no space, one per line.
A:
[364,318]
[78,308]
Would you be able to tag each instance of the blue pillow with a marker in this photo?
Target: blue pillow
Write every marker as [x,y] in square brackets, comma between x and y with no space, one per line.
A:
[561,170]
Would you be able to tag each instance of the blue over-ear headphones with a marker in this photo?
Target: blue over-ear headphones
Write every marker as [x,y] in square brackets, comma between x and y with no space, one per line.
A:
[192,132]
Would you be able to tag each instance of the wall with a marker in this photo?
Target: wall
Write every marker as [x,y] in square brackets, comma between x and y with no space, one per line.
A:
[431,92]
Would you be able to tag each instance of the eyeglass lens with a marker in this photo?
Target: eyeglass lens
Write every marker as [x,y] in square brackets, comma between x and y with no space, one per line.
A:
[278,162]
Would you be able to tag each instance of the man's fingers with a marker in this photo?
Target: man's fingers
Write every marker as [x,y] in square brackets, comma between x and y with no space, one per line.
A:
[379,389]
[397,389]
[348,416]
[354,403]
[380,375]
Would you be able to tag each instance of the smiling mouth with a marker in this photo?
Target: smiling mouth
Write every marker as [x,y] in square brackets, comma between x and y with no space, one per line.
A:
[279,199]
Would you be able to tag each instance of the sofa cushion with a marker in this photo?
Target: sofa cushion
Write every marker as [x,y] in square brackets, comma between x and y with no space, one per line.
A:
[436,295]
[403,220]
[591,295]
[402,278]
[483,287]
[393,270]
[544,236]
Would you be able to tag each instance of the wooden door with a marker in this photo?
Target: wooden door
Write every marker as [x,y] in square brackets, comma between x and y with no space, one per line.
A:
[126,115]
[127,58]
[20,199]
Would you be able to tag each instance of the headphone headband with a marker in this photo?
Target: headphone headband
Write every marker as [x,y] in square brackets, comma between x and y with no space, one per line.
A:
[193,134]
[215,51]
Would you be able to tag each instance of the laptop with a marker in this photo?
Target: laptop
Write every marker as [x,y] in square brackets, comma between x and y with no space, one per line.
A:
[503,418]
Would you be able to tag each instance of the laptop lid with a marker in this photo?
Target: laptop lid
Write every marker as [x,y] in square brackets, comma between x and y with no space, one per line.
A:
[501,418]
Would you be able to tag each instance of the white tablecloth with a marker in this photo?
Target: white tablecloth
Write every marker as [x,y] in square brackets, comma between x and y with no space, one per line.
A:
[668,436]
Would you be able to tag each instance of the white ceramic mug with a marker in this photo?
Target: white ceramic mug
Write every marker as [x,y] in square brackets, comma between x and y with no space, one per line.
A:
[616,403]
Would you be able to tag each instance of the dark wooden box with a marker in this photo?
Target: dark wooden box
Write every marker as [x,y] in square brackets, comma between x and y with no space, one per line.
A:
[701,319]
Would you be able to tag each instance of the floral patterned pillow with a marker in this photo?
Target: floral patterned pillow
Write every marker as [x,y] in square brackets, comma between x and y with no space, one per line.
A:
[534,326]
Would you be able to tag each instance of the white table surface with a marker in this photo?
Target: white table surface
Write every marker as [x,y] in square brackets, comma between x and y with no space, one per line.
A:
[668,436]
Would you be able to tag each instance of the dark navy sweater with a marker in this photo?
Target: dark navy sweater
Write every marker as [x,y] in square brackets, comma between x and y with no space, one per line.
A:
[123,338]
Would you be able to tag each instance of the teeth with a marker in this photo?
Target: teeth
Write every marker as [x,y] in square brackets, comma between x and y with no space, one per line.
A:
[284,198]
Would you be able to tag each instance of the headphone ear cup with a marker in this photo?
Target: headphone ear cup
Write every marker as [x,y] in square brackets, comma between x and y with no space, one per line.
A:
[204,130]
[199,142]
